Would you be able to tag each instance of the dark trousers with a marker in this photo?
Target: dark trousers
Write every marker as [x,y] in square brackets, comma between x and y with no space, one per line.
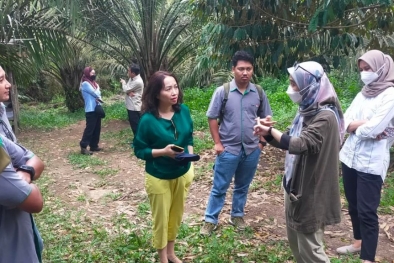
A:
[134,119]
[91,135]
[362,192]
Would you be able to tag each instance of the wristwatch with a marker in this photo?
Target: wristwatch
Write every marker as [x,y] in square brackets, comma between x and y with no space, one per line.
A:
[263,143]
[28,169]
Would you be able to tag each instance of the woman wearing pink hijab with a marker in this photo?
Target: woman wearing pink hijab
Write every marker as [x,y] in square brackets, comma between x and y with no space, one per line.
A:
[92,97]
[365,155]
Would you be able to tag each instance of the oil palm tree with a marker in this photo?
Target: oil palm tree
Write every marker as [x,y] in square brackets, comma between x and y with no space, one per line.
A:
[37,36]
[155,33]
[31,29]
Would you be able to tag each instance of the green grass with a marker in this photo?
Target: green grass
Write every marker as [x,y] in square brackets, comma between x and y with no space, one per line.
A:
[200,121]
[50,116]
[198,100]
[122,136]
[47,118]
[122,139]
[114,196]
[105,172]
[349,259]
[76,239]
[81,198]
[115,111]
[72,235]
[203,169]
[83,161]
[54,115]
[274,185]
[143,209]
[387,200]
[202,142]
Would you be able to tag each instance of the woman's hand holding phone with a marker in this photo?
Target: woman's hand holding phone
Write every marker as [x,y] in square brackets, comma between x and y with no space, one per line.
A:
[177,149]
[172,150]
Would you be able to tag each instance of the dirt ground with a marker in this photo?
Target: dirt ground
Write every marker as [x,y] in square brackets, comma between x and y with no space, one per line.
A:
[264,210]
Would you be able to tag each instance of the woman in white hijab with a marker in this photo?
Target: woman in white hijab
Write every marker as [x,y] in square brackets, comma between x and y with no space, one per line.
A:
[311,180]
[365,155]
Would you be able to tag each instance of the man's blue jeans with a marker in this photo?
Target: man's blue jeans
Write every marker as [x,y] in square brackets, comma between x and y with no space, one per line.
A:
[226,165]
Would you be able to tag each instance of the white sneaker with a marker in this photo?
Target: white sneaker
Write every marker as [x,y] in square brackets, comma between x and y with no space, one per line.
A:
[348,250]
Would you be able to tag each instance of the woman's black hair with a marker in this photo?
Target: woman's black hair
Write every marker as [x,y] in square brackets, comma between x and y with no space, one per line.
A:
[150,102]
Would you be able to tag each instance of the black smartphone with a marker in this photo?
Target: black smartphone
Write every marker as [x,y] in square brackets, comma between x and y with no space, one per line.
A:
[176,148]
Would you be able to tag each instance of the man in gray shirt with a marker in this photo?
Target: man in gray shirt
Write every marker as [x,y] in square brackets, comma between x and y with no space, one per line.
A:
[20,240]
[133,89]
[19,197]
[236,146]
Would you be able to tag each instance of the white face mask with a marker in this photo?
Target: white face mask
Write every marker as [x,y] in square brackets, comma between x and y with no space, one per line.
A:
[294,95]
[368,76]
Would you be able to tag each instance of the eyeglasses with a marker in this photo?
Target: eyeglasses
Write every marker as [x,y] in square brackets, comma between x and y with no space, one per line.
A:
[175,132]
[296,66]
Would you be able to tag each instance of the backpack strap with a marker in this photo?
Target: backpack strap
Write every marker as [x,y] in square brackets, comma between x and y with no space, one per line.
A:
[260,91]
[226,87]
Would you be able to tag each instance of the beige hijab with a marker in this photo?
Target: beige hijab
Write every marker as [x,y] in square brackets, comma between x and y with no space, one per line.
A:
[376,59]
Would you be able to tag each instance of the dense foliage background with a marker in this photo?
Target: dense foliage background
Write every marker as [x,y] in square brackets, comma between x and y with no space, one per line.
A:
[47,43]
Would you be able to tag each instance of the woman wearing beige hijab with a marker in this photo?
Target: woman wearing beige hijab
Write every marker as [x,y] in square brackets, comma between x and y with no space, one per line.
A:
[365,155]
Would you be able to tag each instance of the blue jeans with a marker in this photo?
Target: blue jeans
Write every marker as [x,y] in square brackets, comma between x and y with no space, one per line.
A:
[226,165]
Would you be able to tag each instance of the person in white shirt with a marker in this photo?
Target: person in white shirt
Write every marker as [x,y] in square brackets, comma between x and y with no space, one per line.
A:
[133,89]
[365,155]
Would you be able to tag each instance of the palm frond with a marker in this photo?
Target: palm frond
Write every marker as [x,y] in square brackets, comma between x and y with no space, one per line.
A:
[151,31]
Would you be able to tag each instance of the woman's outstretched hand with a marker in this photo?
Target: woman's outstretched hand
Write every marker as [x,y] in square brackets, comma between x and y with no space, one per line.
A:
[261,130]
[263,125]
[267,121]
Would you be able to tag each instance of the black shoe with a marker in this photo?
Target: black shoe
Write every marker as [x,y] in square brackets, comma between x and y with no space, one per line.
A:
[86,151]
[169,261]
[96,149]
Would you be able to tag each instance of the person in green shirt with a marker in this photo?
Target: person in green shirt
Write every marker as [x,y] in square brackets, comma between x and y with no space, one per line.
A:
[164,129]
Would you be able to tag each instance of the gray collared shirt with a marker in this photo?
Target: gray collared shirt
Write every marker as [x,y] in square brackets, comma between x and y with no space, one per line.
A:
[5,126]
[18,232]
[236,129]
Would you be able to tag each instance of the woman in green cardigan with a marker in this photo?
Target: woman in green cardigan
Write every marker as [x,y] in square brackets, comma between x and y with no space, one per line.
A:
[165,123]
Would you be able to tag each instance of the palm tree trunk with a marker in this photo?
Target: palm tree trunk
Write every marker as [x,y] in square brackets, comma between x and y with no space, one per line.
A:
[71,82]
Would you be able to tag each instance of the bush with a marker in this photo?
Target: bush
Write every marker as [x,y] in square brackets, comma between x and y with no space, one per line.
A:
[346,87]
[109,86]
[45,117]
[43,89]
[284,110]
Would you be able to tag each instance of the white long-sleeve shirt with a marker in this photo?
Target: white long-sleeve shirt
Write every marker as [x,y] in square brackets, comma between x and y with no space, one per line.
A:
[362,151]
[135,85]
